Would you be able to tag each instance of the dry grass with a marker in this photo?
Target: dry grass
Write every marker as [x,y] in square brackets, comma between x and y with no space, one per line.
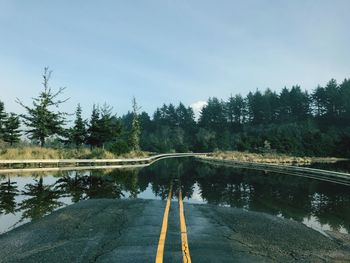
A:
[135,154]
[28,153]
[268,158]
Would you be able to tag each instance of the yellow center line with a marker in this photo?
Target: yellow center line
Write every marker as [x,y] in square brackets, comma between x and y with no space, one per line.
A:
[185,249]
[160,250]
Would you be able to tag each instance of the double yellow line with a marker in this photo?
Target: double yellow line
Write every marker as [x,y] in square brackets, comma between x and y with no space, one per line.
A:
[184,242]
[161,243]
[185,249]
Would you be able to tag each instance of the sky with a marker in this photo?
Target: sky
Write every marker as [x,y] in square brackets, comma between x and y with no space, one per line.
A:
[167,51]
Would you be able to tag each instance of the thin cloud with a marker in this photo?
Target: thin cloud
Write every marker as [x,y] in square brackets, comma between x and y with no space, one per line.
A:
[197,107]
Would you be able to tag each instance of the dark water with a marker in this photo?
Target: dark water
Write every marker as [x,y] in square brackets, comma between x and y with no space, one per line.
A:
[317,204]
[341,166]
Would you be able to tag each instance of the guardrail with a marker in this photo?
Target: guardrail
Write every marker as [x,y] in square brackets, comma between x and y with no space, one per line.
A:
[324,175]
[76,164]
[89,164]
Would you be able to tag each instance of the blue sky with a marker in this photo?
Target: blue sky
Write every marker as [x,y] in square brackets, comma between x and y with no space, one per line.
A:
[168,51]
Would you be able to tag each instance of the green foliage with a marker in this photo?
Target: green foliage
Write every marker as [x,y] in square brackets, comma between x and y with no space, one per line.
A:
[235,111]
[3,117]
[135,127]
[78,132]
[213,116]
[291,121]
[171,130]
[41,120]
[119,147]
[104,127]
[8,192]
[12,133]
[93,130]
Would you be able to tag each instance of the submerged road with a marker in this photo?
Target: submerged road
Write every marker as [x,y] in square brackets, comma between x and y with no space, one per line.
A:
[106,230]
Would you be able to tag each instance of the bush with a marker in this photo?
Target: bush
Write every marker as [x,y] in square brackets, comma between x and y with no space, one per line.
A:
[119,147]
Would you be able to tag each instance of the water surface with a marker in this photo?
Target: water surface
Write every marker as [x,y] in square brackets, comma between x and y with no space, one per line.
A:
[317,204]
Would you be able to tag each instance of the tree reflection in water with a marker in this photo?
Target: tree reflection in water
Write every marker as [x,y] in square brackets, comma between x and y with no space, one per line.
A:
[43,199]
[283,195]
[72,185]
[277,194]
[8,192]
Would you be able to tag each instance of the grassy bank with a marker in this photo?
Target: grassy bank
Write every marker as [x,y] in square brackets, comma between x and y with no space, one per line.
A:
[269,158]
[28,153]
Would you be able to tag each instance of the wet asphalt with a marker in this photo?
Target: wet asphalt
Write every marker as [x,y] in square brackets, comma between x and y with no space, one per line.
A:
[105,230]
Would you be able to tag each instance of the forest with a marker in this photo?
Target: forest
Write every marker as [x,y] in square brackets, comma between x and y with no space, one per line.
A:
[292,121]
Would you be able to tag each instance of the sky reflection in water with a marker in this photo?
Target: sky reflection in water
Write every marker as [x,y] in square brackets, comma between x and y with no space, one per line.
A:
[317,204]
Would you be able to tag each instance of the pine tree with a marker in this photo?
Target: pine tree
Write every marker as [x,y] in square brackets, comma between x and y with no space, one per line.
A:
[12,133]
[79,133]
[93,130]
[235,110]
[319,101]
[345,95]
[213,116]
[108,126]
[3,116]
[41,120]
[135,127]
[8,193]
[104,127]
[333,101]
[229,107]
[299,104]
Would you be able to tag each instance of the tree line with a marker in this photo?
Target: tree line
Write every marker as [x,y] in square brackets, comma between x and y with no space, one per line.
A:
[292,121]
[44,123]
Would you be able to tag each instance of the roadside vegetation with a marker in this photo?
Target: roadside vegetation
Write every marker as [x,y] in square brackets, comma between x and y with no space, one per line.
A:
[291,122]
[271,158]
[26,153]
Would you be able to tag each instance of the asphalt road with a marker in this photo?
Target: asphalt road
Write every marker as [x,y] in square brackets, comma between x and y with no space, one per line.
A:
[105,230]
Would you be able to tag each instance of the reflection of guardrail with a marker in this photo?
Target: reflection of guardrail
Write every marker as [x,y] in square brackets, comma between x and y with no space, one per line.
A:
[69,164]
[324,175]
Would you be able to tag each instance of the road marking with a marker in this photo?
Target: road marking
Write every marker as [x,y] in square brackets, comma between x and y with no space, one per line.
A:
[185,249]
[160,250]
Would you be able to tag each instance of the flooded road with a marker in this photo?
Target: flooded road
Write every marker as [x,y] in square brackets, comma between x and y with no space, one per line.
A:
[317,204]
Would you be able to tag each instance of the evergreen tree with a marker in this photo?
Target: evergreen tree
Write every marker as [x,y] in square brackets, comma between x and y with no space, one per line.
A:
[270,106]
[285,111]
[171,116]
[135,127]
[319,101]
[41,200]
[41,120]
[3,116]
[230,115]
[299,104]
[79,133]
[345,99]
[333,99]
[109,127]
[93,130]
[12,133]
[187,123]
[185,118]
[213,116]
[146,128]
[238,110]
[8,193]
[256,107]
